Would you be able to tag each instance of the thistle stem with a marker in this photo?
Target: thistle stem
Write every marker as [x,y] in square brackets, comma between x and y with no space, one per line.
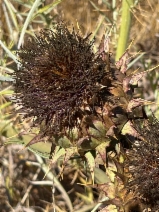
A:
[124,28]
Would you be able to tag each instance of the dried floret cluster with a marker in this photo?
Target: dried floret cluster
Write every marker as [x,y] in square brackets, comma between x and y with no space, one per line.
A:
[59,77]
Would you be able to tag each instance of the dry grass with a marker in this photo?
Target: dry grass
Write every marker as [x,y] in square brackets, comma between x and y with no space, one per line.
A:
[20,170]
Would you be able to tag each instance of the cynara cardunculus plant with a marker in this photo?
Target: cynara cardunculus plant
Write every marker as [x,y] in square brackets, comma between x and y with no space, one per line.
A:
[82,102]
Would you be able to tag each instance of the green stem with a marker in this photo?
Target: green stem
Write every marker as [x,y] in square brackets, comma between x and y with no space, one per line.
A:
[124,28]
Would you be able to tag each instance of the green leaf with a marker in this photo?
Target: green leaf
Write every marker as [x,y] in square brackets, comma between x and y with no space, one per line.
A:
[129,130]
[85,198]
[107,188]
[64,142]
[97,132]
[69,152]
[5,105]
[34,7]
[136,103]
[10,54]
[42,149]
[6,92]
[46,9]
[109,208]
[58,152]
[101,149]
[91,164]
[6,78]
[100,176]
[124,27]
[12,14]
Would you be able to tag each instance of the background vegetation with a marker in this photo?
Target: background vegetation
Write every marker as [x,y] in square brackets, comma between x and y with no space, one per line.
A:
[22,187]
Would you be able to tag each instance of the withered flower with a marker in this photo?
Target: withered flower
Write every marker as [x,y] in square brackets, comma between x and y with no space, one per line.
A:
[144,165]
[60,76]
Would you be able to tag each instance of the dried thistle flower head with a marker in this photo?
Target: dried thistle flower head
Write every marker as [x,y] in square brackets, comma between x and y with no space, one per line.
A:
[144,164]
[59,77]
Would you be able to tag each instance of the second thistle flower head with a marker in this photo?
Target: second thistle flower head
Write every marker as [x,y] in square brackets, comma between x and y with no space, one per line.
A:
[60,76]
[144,165]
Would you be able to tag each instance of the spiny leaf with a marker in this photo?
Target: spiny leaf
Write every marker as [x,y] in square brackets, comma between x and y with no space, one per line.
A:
[85,198]
[111,174]
[101,149]
[58,152]
[111,131]
[117,91]
[116,201]
[122,63]
[35,140]
[69,152]
[126,84]
[100,176]
[129,130]
[42,149]
[137,102]
[97,132]
[109,208]
[64,142]
[107,188]
[136,77]
[104,49]
[81,140]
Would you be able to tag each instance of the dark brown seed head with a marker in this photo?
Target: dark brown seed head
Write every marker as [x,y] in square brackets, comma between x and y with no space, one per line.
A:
[60,76]
[144,164]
